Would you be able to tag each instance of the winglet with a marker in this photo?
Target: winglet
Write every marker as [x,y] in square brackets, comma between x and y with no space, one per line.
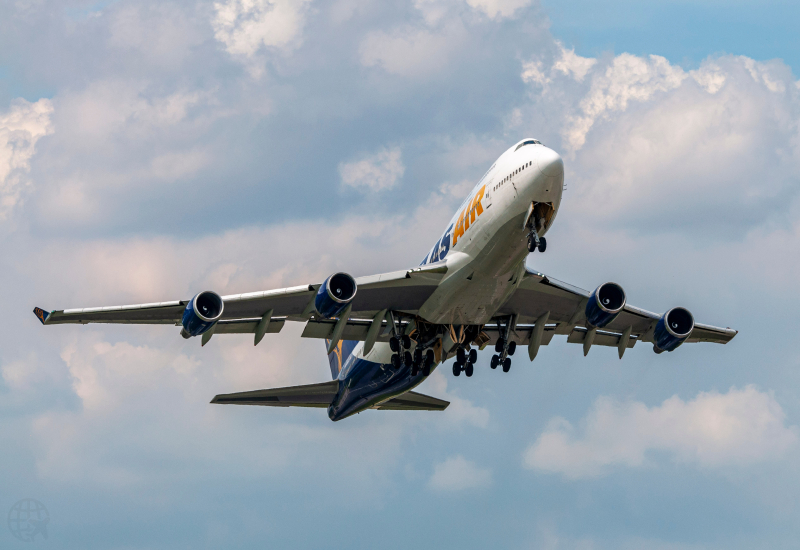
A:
[41,314]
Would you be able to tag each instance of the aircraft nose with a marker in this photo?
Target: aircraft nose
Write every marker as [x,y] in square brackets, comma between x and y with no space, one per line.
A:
[550,163]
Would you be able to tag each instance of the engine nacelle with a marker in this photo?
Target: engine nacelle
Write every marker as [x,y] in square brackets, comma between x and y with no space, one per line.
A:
[201,313]
[672,329]
[604,304]
[334,294]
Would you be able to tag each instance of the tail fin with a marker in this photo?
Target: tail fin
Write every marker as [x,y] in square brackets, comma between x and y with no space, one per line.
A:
[339,355]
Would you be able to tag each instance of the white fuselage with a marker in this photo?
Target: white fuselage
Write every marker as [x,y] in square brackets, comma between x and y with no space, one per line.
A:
[486,255]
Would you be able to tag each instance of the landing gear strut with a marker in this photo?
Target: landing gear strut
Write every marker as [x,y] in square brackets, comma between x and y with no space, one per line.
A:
[535,242]
[505,347]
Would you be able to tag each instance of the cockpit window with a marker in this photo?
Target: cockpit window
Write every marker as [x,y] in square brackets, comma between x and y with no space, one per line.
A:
[529,142]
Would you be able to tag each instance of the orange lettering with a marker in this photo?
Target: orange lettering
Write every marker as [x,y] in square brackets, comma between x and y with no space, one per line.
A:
[459,230]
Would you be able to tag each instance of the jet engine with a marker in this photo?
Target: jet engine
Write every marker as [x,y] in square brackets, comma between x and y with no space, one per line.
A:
[604,304]
[672,329]
[201,313]
[334,294]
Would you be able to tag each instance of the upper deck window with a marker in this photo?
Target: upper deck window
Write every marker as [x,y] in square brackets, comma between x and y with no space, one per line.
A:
[529,142]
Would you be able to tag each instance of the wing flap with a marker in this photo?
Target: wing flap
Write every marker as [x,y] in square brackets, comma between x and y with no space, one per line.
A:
[413,401]
[312,395]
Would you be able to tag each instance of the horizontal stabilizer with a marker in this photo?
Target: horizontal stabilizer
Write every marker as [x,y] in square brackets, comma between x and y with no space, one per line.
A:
[413,401]
[312,395]
[321,395]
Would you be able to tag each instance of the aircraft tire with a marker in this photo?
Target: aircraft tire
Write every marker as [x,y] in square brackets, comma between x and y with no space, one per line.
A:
[542,244]
[461,355]
[512,347]
[426,370]
[394,344]
[456,369]
[495,361]
[407,359]
[507,364]
[498,347]
[429,358]
[473,356]
[468,369]
[406,341]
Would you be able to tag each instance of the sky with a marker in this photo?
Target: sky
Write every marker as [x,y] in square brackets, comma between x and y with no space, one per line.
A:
[150,150]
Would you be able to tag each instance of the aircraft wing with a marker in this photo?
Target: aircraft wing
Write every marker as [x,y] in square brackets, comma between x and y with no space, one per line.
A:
[402,291]
[566,304]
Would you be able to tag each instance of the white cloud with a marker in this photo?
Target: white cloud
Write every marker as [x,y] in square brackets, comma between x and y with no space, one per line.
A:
[378,171]
[740,427]
[629,78]
[458,474]
[245,26]
[20,128]
[461,411]
[570,63]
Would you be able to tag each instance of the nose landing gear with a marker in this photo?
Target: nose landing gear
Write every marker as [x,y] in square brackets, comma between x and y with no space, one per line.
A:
[535,242]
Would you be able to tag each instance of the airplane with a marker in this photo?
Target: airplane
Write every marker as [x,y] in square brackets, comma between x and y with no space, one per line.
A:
[386,333]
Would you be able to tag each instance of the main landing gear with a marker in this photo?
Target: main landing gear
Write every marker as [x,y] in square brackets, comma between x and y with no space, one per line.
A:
[465,362]
[505,348]
[419,360]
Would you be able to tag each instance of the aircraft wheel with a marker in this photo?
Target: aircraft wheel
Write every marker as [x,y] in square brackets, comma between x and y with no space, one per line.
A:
[418,356]
[396,361]
[495,361]
[498,347]
[426,370]
[512,347]
[461,355]
[394,344]
[429,358]
[473,356]
[456,369]
[507,364]
[542,244]
[468,369]
[531,244]
[414,370]
[406,341]
[407,359]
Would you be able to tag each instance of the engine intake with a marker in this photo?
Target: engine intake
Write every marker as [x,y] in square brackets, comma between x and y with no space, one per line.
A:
[672,329]
[201,313]
[334,294]
[604,304]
